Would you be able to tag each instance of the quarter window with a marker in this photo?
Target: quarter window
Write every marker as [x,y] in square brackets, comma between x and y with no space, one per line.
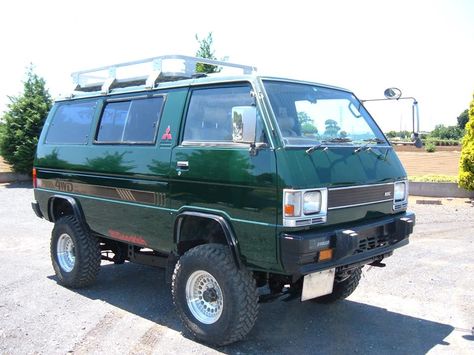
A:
[209,117]
[71,123]
[132,121]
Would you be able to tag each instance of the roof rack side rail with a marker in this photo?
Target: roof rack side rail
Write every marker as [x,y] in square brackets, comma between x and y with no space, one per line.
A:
[105,78]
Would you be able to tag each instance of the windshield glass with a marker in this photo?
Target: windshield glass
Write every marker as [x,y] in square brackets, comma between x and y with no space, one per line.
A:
[308,115]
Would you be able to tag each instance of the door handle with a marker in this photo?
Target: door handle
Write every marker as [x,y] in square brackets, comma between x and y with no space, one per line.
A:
[182,165]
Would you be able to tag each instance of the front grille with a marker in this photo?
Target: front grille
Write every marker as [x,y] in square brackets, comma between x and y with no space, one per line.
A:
[372,242]
[359,195]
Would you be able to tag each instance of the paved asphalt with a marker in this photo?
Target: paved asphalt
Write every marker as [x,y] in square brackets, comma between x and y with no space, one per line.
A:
[423,301]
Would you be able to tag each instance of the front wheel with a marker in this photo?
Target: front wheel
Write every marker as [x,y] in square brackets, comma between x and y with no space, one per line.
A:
[217,302]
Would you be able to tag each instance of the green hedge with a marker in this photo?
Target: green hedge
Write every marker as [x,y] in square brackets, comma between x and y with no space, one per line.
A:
[433,178]
[466,163]
[442,142]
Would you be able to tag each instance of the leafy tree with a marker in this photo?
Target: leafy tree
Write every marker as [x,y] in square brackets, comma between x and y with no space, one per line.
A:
[466,164]
[463,118]
[23,123]
[205,51]
[2,128]
[332,128]
[399,134]
[308,129]
[303,118]
[404,134]
[447,132]
[307,126]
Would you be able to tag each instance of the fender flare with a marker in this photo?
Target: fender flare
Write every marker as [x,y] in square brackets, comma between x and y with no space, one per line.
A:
[76,207]
[225,225]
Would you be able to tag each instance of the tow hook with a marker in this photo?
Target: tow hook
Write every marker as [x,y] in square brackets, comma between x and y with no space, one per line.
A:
[377,263]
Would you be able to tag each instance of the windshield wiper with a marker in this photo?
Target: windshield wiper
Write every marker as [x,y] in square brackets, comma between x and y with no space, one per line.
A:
[366,145]
[332,140]
[314,147]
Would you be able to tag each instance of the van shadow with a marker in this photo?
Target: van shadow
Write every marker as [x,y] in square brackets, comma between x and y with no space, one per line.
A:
[282,327]
[19,185]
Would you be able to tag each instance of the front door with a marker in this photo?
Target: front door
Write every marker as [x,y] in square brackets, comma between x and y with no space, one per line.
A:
[210,173]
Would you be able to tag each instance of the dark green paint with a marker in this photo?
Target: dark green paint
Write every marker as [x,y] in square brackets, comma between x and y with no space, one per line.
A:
[338,166]
[225,180]
[232,182]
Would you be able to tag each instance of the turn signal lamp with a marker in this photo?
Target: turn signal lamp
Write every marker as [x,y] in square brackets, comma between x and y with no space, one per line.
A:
[292,203]
[35,183]
[325,254]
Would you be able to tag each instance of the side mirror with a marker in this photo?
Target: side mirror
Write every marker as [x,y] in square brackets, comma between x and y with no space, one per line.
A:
[396,94]
[244,124]
[392,93]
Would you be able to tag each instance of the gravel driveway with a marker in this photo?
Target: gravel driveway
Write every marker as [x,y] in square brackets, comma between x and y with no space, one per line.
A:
[421,302]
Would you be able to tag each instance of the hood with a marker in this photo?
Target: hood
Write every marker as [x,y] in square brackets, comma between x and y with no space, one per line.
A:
[337,166]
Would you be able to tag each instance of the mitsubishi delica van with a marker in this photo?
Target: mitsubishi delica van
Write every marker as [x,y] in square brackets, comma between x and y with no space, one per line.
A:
[244,188]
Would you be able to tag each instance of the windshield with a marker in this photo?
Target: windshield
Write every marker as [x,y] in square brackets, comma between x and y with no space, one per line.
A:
[308,115]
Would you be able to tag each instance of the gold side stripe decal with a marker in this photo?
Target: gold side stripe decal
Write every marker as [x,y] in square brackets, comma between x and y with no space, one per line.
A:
[158,198]
[126,194]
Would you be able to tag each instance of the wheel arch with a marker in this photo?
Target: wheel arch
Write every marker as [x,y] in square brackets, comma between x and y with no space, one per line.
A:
[225,226]
[59,205]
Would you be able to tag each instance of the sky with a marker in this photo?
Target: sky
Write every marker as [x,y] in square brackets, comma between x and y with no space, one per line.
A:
[423,47]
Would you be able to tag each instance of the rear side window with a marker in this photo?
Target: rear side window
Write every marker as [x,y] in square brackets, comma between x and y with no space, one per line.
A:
[131,121]
[71,123]
[209,117]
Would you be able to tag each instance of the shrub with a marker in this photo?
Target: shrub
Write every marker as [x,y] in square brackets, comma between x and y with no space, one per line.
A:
[441,142]
[23,123]
[466,163]
[433,178]
[430,147]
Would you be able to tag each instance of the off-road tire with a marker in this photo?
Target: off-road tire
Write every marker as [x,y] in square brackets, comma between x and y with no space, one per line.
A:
[87,258]
[342,289]
[239,294]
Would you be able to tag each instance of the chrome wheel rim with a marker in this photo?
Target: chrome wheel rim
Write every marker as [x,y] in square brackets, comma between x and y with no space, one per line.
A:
[66,252]
[204,297]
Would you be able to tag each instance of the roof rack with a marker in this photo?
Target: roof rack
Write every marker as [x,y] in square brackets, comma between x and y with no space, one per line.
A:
[157,69]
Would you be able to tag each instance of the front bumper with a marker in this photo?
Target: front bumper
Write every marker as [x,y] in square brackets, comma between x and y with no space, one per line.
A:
[358,244]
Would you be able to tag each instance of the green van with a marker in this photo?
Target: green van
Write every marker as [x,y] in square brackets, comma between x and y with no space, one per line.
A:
[245,188]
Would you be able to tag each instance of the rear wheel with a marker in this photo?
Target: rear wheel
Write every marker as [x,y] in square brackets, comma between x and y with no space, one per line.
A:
[217,302]
[75,253]
[342,289]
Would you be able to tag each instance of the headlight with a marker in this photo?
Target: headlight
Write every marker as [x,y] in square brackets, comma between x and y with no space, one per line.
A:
[304,207]
[292,203]
[311,202]
[400,191]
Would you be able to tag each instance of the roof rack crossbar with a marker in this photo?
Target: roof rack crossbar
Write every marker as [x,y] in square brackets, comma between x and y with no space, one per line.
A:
[86,80]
